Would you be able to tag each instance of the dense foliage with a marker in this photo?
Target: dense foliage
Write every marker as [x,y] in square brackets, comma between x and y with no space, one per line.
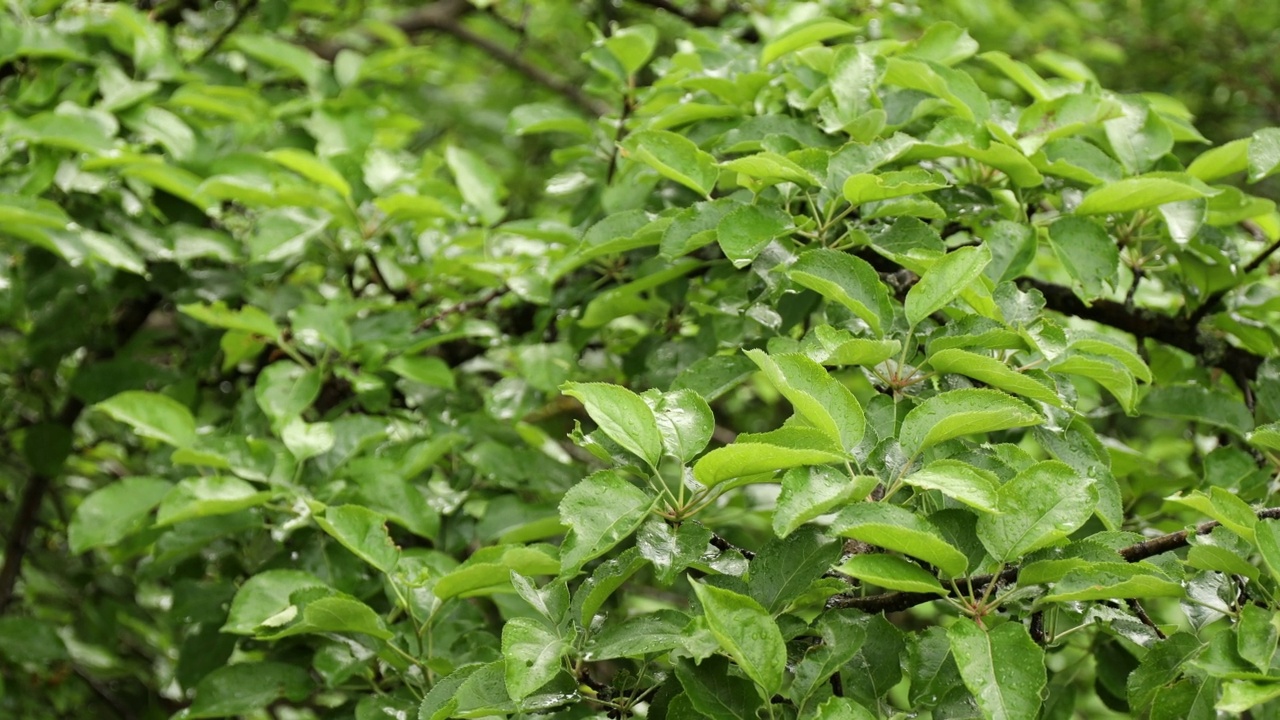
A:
[496,359]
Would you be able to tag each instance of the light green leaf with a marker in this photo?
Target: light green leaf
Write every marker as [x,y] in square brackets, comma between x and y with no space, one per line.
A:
[481,188]
[1138,193]
[284,390]
[864,188]
[1110,581]
[1266,437]
[247,319]
[956,87]
[363,532]
[1040,506]
[848,280]
[307,440]
[488,570]
[962,412]
[152,415]
[945,280]
[1162,665]
[113,512]
[632,46]
[312,168]
[601,511]
[977,488]
[753,454]
[992,372]
[686,423]
[824,401]
[423,369]
[531,654]
[771,166]
[892,572]
[675,158]
[536,118]
[1087,253]
[1003,668]
[804,33]
[1107,372]
[1022,74]
[747,633]
[808,492]
[1221,161]
[204,496]
[622,415]
[1225,507]
[335,613]
[265,595]
[898,529]
[1264,153]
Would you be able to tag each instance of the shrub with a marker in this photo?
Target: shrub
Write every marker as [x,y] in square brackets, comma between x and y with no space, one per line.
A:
[743,366]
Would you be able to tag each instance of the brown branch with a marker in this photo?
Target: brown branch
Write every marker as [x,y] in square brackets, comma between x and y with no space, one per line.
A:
[463,307]
[27,516]
[446,16]
[242,12]
[899,601]
[1178,332]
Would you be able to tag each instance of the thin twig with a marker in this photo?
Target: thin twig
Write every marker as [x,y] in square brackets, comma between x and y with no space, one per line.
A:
[463,307]
[1141,613]
[724,545]
[242,12]
[1214,300]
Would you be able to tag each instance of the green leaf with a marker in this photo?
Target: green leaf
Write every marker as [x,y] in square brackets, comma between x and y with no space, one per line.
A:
[943,282]
[607,577]
[535,118]
[804,33]
[480,187]
[639,636]
[962,412]
[1003,668]
[1266,437]
[1106,371]
[1139,137]
[335,613]
[1225,507]
[266,595]
[843,633]
[992,372]
[307,440]
[531,654]
[247,319]
[1138,193]
[977,488]
[601,511]
[842,708]
[785,568]
[765,453]
[363,532]
[622,415]
[808,492]
[1162,665]
[285,389]
[955,87]
[1087,252]
[746,632]
[848,280]
[312,168]
[248,687]
[153,415]
[1040,506]
[748,229]
[824,401]
[714,692]
[771,167]
[113,512]
[1198,404]
[893,573]
[685,422]
[632,46]
[204,496]
[1108,581]
[712,377]
[675,158]
[671,549]
[898,529]
[426,370]
[1022,74]
[864,188]
[1264,153]
[488,570]
[1221,161]
[1239,696]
